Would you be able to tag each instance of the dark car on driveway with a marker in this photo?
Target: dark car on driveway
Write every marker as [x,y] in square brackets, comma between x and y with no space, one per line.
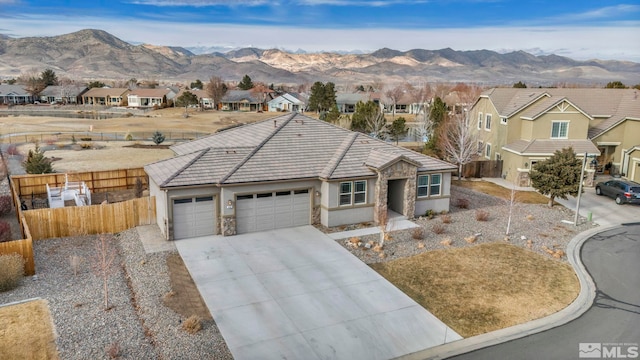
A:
[623,191]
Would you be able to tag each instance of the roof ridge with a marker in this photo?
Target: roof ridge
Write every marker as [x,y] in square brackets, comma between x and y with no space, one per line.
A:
[333,165]
[255,149]
[175,174]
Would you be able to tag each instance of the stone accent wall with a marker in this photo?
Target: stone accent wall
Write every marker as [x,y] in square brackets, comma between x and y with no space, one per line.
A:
[399,170]
[229,226]
[523,178]
[315,215]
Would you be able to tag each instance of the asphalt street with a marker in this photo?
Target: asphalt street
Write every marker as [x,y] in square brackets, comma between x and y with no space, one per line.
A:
[612,258]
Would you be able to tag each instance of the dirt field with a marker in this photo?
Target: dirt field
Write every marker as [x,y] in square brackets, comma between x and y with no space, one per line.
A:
[106,155]
[162,120]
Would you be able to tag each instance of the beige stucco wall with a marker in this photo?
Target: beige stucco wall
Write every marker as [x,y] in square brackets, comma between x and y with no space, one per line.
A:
[162,217]
[541,127]
[438,203]
[626,133]
[633,170]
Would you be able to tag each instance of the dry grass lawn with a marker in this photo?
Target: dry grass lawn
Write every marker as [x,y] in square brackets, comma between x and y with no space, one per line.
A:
[526,197]
[26,331]
[483,288]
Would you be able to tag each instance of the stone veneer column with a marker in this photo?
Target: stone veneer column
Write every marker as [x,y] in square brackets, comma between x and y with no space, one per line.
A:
[398,171]
[229,226]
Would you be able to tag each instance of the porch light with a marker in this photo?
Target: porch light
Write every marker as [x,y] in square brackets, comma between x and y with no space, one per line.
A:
[229,204]
[317,193]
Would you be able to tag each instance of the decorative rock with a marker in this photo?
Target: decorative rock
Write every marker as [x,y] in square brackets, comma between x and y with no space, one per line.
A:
[367,246]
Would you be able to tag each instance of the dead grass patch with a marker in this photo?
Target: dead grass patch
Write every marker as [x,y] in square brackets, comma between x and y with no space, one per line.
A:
[526,197]
[27,331]
[486,287]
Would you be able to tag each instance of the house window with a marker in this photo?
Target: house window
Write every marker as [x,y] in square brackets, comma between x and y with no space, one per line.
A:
[360,192]
[559,129]
[423,185]
[434,187]
[487,151]
[503,120]
[480,147]
[345,193]
[479,121]
[487,123]
[353,192]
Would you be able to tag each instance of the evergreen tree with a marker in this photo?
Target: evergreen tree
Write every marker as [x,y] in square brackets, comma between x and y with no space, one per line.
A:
[438,116]
[615,85]
[397,129]
[520,85]
[246,83]
[363,115]
[317,94]
[37,163]
[49,77]
[187,98]
[329,96]
[196,85]
[333,114]
[557,176]
[158,137]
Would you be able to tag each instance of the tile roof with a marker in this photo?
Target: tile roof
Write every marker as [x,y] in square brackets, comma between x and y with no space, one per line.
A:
[149,92]
[59,90]
[13,89]
[287,147]
[614,105]
[549,146]
[242,95]
[104,92]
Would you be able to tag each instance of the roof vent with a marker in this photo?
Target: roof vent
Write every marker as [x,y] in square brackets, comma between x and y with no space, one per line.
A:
[300,121]
[275,123]
[231,151]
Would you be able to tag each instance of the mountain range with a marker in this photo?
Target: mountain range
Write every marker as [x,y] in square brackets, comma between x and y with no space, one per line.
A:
[98,55]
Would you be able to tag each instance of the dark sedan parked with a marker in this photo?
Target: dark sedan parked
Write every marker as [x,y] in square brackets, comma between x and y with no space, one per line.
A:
[623,191]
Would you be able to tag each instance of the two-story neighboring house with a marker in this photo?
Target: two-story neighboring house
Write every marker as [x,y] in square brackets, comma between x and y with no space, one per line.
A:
[524,126]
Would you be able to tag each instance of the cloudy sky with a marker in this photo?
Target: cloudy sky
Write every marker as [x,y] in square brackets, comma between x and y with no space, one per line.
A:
[580,29]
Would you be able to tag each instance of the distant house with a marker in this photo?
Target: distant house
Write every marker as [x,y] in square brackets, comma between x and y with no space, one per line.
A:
[204,100]
[145,98]
[14,94]
[63,94]
[346,102]
[244,100]
[289,102]
[105,96]
[524,126]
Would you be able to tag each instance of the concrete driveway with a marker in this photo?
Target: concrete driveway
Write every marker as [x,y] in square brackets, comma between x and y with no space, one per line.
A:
[297,294]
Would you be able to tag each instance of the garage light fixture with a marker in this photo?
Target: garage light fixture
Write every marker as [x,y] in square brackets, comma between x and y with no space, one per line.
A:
[317,193]
[229,204]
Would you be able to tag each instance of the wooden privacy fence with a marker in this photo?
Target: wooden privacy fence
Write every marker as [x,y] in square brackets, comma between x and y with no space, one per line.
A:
[24,246]
[97,219]
[97,181]
[482,168]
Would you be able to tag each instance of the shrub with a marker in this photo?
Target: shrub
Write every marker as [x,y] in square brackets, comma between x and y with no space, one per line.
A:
[418,233]
[5,231]
[462,203]
[6,204]
[482,215]
[192,325]
[128,137]
[85,138]
[430,213]
[113,350]
[446,219]
[86,145]
[12,271]
[158,138]
[438,229]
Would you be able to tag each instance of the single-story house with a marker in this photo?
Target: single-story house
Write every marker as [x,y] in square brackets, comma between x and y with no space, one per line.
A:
[204,99]
[289,102]
[63,94]
[244,100]
[14,94]
[291,170]
[105,96]
[346,102]
[149,97]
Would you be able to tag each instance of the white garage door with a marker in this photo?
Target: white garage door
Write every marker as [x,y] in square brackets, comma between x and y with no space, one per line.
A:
[194,217]
[272,210]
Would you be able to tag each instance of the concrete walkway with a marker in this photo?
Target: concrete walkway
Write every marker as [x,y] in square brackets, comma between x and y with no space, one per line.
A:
[297,294]
[395,222]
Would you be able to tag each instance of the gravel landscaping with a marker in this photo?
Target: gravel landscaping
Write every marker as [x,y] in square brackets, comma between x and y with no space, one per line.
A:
[137,322]
[533,226]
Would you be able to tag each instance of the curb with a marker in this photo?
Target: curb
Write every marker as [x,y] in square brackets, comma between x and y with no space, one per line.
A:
[579,306]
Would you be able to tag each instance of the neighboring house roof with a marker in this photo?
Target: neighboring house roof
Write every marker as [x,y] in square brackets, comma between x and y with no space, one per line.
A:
[105,92]
[12,89]
[345,98]
[291,98]
[149,93]
[612,105]
[232,96]
[282,148]
[63,90]
[544,147]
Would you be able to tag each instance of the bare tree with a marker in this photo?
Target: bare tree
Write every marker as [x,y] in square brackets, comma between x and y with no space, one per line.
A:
[32,82]
[377,85]
[459,141]
[393,96]
[376,124]
[103,264]
[512,203]
[216,88]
